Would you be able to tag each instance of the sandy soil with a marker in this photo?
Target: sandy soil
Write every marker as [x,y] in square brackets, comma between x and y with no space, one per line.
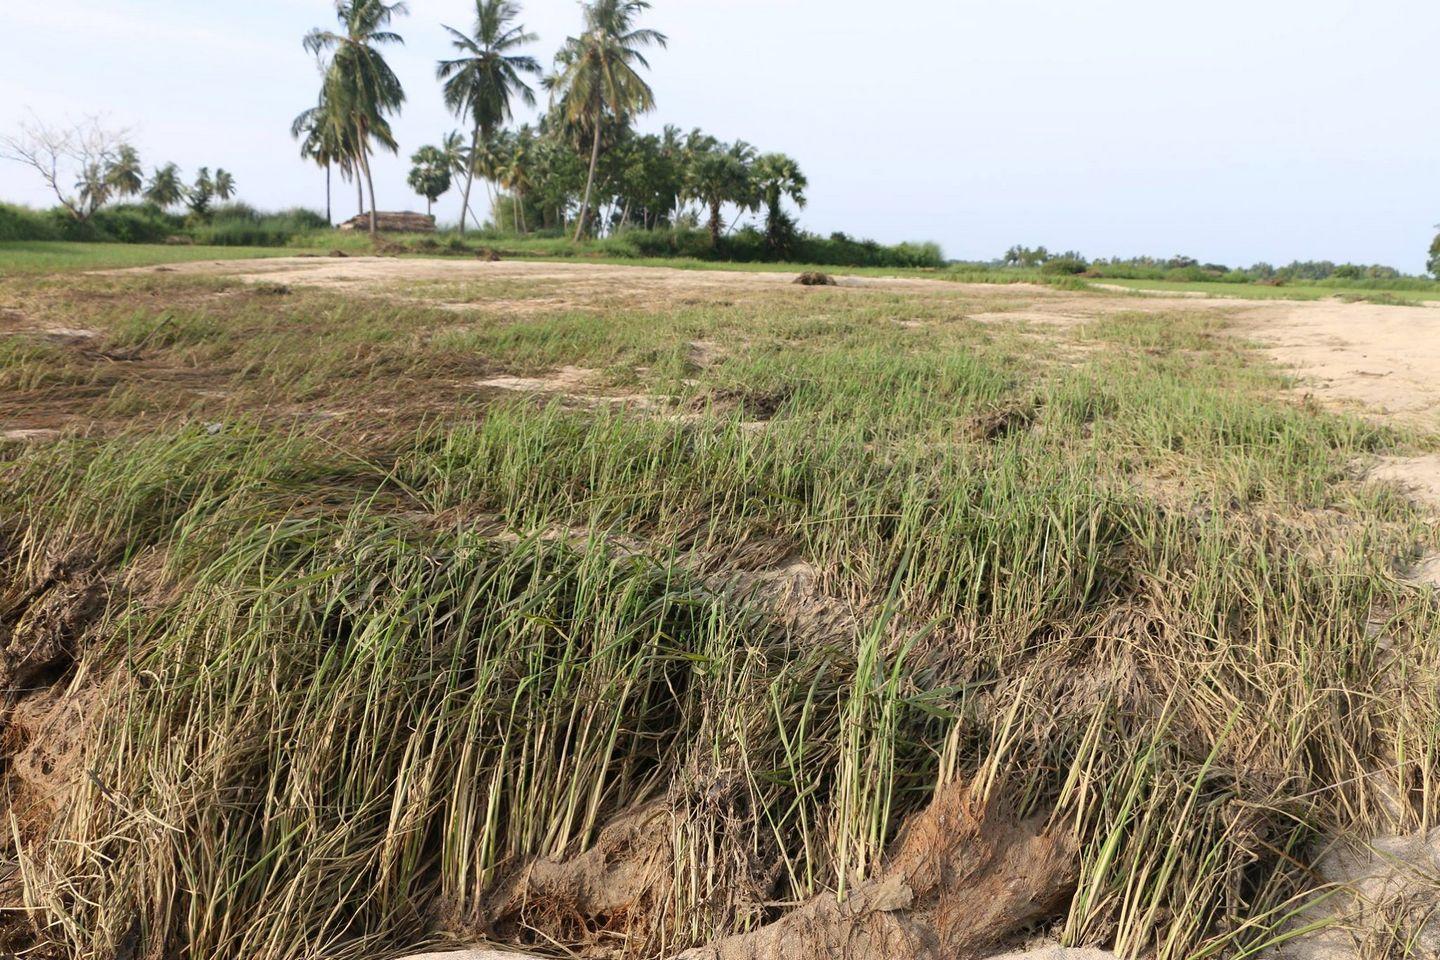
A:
[1386,359]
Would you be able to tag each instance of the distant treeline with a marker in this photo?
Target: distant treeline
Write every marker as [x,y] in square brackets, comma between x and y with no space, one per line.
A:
[239,224]
[234,224]
[1185,269]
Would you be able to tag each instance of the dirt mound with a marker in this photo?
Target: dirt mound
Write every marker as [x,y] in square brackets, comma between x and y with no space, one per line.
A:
[812,278]
[388,221]
[607,888]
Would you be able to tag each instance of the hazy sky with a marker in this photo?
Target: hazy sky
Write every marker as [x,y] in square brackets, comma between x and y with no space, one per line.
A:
[1233,130]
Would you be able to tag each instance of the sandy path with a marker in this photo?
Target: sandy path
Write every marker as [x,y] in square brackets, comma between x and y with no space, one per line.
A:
[377,271]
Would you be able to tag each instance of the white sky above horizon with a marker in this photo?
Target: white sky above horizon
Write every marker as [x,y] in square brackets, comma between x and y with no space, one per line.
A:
[1231,131]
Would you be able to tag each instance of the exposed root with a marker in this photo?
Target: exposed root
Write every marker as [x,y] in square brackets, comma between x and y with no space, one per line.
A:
[40,627]
[571,900]
[961,880]
[44,721]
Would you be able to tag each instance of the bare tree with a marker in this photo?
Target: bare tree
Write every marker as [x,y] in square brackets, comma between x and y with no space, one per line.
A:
[62,155]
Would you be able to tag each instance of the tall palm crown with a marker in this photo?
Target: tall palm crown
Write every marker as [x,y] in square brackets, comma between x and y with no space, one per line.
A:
[779,176]
[124,174]
[325,136]
[165,189]
[359,84]
[224,184]
[359,80]
[598,71]
[93,186]
[598,74]
[480,83]
[482,80]
[456,153]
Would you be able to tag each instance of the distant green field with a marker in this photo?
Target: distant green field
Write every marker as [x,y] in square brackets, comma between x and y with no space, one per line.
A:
[27,257]
[1251,291]
[20,257]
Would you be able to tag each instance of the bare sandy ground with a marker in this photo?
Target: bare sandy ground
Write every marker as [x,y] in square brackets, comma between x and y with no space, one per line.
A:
[1383,360]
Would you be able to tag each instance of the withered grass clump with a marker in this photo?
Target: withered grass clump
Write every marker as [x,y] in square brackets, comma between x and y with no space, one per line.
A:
[641,678]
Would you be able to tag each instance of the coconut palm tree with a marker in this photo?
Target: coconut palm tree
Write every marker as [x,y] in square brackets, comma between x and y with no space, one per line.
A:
[94,188]
[458,155]
[517,173]
[598,75]
[165,189]
[359,84]
[124,174]
[480,83]
[322,135]
[199,195]
[224,183]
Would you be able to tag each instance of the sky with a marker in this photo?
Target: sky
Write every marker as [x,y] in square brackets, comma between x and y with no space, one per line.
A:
[1233,131]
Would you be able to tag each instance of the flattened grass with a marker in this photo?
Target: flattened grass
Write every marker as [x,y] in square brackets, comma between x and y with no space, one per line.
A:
[359,670]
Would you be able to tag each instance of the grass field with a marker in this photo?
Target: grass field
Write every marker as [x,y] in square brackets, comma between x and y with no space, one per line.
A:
[22,257]
[1299,291]
[33,257]
[618,618]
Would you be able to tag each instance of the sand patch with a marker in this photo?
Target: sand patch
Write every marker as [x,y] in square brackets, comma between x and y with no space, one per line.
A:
[1386,894]
[1426,572]
[563,380]
[1418,476]
[1384,357]
[29,433]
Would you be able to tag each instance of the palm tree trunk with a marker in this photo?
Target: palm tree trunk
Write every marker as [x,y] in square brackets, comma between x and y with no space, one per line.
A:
[520,206]
[714,224]
[370,185]
[328,218]
[359,193]
[469,178]
[589,183]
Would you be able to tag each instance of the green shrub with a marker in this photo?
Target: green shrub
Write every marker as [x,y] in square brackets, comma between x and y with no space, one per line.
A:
[22,223]
[134,223]
[124,223]
[1065,265]
[241,225]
